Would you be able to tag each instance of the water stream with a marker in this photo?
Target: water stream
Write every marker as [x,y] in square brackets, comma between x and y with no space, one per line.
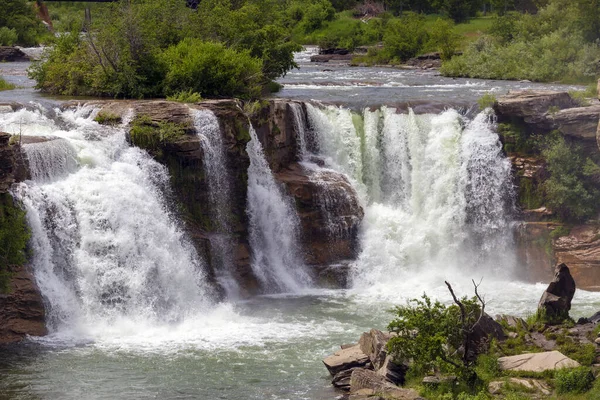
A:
[130,313]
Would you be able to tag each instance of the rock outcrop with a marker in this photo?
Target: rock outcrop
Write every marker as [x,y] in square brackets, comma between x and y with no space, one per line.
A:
[10,53]
[327,204]
[21,307]
[345,359]
[536,362]
[555,303]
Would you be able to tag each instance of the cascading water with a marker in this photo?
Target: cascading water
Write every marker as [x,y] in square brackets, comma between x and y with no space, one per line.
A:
[436,191]
[219,185]
[273,227]
[107,254]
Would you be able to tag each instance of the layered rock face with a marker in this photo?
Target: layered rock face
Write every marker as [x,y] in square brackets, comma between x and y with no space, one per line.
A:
[327,205]
[542,242]
[21,307]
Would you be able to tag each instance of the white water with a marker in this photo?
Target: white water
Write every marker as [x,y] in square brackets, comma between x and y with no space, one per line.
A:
[107,254]
[219,185]
[276,258]
[437,196]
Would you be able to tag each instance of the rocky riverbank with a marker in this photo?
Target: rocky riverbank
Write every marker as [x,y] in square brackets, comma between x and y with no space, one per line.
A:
[523,359]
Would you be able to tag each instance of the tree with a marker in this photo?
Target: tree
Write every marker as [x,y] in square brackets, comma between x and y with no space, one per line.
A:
[20,16]
[458,10]
[438,337]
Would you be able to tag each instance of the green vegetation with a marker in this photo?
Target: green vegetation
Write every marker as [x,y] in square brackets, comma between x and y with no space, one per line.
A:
[155,48]
[186,96]
[575,380]
[107,118]
[14,234]
[427,335]
[20,25]
[5,85]
[150,135]
[556,44]
[487,100]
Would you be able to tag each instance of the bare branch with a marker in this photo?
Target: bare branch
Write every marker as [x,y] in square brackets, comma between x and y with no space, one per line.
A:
[481,300]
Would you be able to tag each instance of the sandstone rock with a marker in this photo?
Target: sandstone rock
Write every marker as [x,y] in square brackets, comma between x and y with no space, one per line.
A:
[597,340]
[373,344]
[395,373]
[329,210]
[21,309]
[536,362]
[531,106]
[580,250]
[341,380]
[366,379]
[556,300]
[345,359]
[579,123]
[513,322]
[532,385]
[10,53]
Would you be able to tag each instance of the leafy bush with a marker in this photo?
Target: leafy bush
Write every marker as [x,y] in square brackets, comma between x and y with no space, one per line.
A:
[186,96]
[19,17]
[568,190]
[432,335]
[487,100]
[5,85]
[14,234]
[405,37]
[8,36]
[316,14]
[443,38]
[150,135]
[575,380]
[107,118]
[211,69]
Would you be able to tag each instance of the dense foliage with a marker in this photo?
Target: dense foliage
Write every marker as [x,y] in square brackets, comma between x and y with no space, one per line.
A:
[150,48]
[19,24]
[557,43]
[14,234]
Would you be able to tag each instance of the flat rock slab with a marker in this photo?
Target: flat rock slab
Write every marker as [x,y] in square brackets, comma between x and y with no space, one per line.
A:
[537,362]
[341,360]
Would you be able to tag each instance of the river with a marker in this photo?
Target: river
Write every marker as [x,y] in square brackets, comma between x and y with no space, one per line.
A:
[415,235]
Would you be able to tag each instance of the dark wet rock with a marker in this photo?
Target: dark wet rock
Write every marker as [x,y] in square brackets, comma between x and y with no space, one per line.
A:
[323,58]
[555,303]
[21,309]
[393,372]
[482,334]
[10,53]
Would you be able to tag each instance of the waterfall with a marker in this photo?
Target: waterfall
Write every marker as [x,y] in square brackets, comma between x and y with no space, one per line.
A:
[219,185]
[436,191]
[107,254]
[50,159]
[273,227]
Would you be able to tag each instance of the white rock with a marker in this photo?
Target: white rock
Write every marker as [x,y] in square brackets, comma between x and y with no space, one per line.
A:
[537,362]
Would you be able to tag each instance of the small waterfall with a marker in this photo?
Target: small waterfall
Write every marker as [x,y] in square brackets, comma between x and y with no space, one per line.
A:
[50,159]
[219,184]
[273,227]
[436,191]
[107,254]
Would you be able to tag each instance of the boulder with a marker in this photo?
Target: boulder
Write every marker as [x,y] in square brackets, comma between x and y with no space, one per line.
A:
[555,303]
[344,359]
[341,380]
[330,213]
[536,362]
[512,322]
[373,344]
[579,123]
[393,372]
[10,53]
[367,380]
[531,106]
[22,311]
[482,333]
[530,385]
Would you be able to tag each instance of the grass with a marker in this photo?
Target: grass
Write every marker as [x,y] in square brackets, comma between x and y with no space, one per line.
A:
[5,85]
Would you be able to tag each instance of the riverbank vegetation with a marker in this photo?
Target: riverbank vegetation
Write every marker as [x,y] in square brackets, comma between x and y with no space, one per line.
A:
[14,235]
[19,24]
[155,48]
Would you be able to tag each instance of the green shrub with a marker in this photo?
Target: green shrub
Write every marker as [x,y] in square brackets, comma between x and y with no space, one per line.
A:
[8,36]
[5,85]
[18,17]
[585,354]
[14,234]
[568,191]
[443,39]
[404,37]
[150,135]
[575,380]
[211,69]
[186,96]
[107,118]
[487,100]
